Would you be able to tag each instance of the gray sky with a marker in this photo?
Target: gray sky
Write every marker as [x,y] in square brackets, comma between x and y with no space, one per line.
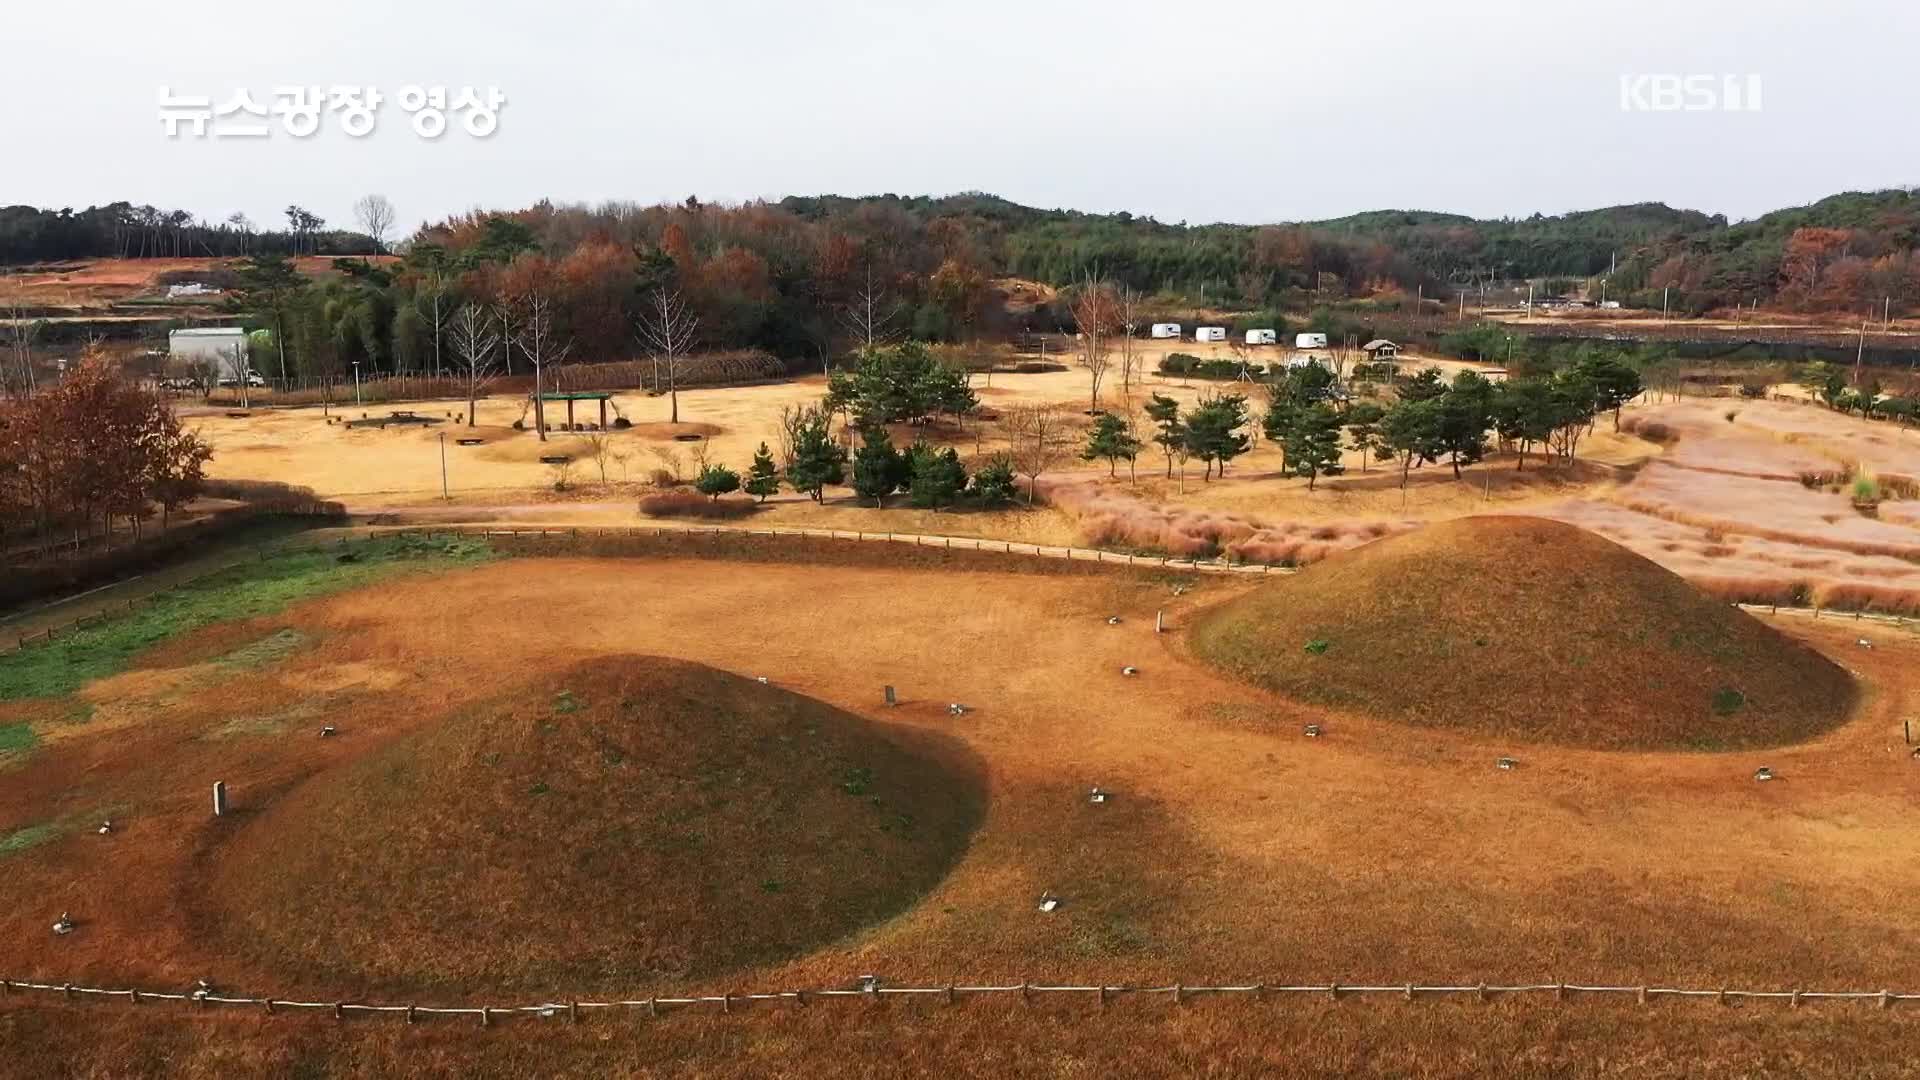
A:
[1204,110]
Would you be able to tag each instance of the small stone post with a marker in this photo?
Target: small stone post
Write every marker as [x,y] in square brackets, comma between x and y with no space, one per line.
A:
[1159,622]
[219,798]
[891,700]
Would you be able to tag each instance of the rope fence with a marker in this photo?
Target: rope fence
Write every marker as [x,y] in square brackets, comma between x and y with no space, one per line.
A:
[1102,994]
[950,543]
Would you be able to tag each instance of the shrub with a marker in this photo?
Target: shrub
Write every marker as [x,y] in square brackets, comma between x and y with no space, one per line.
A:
[692,504]
[1180,363]
[716,480]
[1727,701]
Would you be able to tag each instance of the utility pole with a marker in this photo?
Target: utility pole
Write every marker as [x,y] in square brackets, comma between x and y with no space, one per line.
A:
[1663,303]
[356,384]
[1859,354]
[1529,300]
[443,468]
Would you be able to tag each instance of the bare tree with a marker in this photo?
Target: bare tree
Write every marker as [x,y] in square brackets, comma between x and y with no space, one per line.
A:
[869,312]
[600,449]
[474,339]
[1127,310]
[432,300]
[1039,440]
[242,225]
[539,343]
[1093,314]
[667,329]
[17,376]
[375,215]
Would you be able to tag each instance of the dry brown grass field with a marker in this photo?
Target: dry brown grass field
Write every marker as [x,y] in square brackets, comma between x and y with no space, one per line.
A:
[1746,498]
[1233,849]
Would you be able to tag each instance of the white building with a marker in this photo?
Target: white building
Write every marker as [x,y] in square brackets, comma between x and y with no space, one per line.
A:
[1210,333]
[1166,330]
[1262,337]
[223,347]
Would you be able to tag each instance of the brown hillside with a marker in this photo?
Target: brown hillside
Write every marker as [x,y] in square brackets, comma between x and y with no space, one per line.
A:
[1529,629]
[632,819]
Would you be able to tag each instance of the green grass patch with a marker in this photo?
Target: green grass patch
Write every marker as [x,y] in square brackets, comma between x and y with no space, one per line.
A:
[67,663]
[31,836]
[270,649]
[17,739]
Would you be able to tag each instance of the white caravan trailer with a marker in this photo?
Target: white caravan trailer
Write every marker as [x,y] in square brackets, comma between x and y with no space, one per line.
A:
[1166,329]
[1209,333]
[1309,341]
[1262,337]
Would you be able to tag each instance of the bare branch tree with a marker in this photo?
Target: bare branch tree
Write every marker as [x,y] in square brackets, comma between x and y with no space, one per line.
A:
[1038,437]
[869,312]
[539,342]
[667,330]
[375,215]
[1127,309]
[474,339]
[17,376]
[1094,316]
[432,300]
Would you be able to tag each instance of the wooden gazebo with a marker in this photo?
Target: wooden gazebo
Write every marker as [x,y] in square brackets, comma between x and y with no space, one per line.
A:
[571,396]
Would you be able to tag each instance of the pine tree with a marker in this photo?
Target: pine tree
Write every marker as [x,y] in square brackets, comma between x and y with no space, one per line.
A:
[715,481]
[876,466]
[1165,413]
[993,485]
[1110,439]
[817,459]
[763,477]
[1313,443]
[938,478]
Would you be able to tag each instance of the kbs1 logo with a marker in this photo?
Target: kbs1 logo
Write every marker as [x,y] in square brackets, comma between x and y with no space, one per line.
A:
[1689,93]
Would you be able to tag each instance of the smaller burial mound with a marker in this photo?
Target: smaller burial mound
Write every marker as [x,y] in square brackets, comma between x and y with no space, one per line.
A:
[1530,629]
[630,819]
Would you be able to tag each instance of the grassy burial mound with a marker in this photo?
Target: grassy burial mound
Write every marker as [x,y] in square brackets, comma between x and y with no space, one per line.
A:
[1529,629]
[632,819]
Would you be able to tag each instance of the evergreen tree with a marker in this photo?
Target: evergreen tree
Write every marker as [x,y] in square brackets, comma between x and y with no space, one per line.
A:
[993,484]
[1466,412]
[1363,426]
[763,477]
[1172,435]
[1313,443]
[938,478]
[1109,438]
[1615,382]
[876,466]
[817,459]
[1213,431]
[1411,431]
[715,481]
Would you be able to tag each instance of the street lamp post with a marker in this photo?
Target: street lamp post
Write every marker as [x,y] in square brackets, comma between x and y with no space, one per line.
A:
[443,468]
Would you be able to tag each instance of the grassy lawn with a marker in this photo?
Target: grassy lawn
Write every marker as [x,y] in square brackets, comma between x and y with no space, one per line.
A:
[71,661]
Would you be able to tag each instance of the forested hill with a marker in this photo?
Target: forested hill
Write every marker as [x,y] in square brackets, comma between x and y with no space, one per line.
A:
[774,272]
[1405,246]
[1843,251]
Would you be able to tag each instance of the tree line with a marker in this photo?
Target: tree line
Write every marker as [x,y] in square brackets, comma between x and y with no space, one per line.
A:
[123,230]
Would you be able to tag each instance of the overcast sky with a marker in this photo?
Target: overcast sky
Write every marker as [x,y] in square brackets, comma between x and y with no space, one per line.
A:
[1201,110]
